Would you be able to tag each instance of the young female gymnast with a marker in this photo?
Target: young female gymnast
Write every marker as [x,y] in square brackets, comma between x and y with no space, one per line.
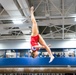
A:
[37,38]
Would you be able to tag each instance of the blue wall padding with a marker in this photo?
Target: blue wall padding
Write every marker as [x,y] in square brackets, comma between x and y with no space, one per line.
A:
[43,61]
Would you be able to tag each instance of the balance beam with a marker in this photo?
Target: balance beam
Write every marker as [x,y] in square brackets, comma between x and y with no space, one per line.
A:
[38,70]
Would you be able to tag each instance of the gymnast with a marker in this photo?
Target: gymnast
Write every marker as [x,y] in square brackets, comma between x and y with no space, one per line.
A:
[37,41]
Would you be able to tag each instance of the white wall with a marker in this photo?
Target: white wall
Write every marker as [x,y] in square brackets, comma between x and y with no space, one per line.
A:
[62,43]
[22,44]
[14,44]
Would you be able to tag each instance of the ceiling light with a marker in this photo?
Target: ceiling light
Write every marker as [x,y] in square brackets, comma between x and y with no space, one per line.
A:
[75,19]
[17,22]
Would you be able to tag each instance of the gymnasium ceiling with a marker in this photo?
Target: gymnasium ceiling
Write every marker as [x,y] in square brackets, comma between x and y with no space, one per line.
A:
[55,18]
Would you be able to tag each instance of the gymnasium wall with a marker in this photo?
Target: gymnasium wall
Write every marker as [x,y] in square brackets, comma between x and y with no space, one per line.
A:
[22,44]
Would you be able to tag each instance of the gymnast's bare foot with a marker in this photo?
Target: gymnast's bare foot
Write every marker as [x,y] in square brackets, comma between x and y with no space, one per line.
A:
[32,8]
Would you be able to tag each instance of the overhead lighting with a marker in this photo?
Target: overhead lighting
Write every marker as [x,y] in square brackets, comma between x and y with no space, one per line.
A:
[17,22]
[75,19]
[73,39]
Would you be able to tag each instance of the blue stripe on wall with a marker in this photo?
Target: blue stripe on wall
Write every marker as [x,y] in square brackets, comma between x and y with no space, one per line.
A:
[29,61]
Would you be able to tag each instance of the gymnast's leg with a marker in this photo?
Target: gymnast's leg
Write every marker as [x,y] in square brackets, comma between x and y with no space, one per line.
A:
[34,23]
[42,42]
[34,31]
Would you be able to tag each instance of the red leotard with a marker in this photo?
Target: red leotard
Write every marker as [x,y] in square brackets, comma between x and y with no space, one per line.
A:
[34,41]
